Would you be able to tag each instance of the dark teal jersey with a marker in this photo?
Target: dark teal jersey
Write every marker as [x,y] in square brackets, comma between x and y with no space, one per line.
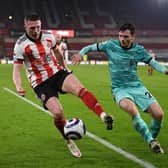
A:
[122,62]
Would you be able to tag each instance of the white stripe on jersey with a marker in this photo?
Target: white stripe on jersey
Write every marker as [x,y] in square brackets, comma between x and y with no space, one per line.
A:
[38,57]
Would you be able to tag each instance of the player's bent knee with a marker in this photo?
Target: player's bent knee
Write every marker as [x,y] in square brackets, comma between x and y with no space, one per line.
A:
[160,115]
[57,114]
[82,92]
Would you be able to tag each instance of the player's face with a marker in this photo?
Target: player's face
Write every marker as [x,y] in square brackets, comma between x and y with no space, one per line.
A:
[33,29]
[126,38]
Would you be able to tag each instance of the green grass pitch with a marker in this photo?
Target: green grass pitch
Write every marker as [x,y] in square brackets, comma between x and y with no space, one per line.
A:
[28,138]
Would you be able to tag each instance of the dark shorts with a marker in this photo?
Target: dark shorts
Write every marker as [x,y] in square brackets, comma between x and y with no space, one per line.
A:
[51,87]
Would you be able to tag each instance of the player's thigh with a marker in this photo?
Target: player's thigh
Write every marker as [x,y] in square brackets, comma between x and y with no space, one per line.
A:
[54,106]
[143,98]
[72,84]
[129,106]
[121,94]
[125,100]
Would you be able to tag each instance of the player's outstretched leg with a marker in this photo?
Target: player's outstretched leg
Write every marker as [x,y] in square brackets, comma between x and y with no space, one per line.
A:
[59,123]
[73,148]
[142,128]
[155,127]
[91,101]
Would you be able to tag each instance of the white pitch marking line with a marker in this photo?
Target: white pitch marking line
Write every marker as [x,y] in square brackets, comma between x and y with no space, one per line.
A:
[93,136]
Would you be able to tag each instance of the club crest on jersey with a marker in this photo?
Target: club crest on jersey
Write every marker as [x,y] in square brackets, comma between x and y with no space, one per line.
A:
[43,97]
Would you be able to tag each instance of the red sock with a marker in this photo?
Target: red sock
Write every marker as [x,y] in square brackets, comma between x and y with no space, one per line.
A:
[59,123]
[90,100]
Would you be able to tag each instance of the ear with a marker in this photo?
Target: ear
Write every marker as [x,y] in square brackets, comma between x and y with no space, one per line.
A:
[25,24]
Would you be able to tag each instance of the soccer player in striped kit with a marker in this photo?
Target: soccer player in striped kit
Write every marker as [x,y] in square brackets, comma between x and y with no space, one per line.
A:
[63,49]
[48,76]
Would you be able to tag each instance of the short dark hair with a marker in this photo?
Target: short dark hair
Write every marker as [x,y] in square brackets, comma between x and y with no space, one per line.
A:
[128,26]
[32,16]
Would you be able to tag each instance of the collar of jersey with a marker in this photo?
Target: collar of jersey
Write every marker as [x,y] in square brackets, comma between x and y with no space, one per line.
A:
[33,39]
[132,45]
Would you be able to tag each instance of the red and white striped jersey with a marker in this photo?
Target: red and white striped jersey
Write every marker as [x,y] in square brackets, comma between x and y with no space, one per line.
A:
[38,57]
[62,48]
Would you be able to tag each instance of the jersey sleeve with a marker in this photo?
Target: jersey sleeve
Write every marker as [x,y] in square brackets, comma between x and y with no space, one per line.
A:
[93,47]
[143,55]
[18,54]
[102,46]
[89,48]
[156,65]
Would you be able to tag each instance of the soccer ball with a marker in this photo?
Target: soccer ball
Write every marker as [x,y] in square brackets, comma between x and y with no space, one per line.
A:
[74,129]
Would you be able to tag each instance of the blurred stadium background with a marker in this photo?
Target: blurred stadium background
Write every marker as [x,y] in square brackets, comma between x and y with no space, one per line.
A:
[88,21]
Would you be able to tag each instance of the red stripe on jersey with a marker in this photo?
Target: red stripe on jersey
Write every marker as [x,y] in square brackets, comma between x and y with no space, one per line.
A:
[29,54]
[53,57]
[43,57]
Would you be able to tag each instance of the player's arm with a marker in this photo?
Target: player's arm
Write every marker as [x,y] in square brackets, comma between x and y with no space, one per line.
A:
[157,66]
[55,47]
[17,67]
[76,58]
[59,56]
[152,62]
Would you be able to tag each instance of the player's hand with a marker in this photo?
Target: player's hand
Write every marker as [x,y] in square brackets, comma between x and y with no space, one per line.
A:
[76,59]
[166,72]
[21,91]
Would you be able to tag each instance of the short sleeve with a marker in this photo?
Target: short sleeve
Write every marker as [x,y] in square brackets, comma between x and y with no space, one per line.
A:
[143,55]
[18,53]
[101,46]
